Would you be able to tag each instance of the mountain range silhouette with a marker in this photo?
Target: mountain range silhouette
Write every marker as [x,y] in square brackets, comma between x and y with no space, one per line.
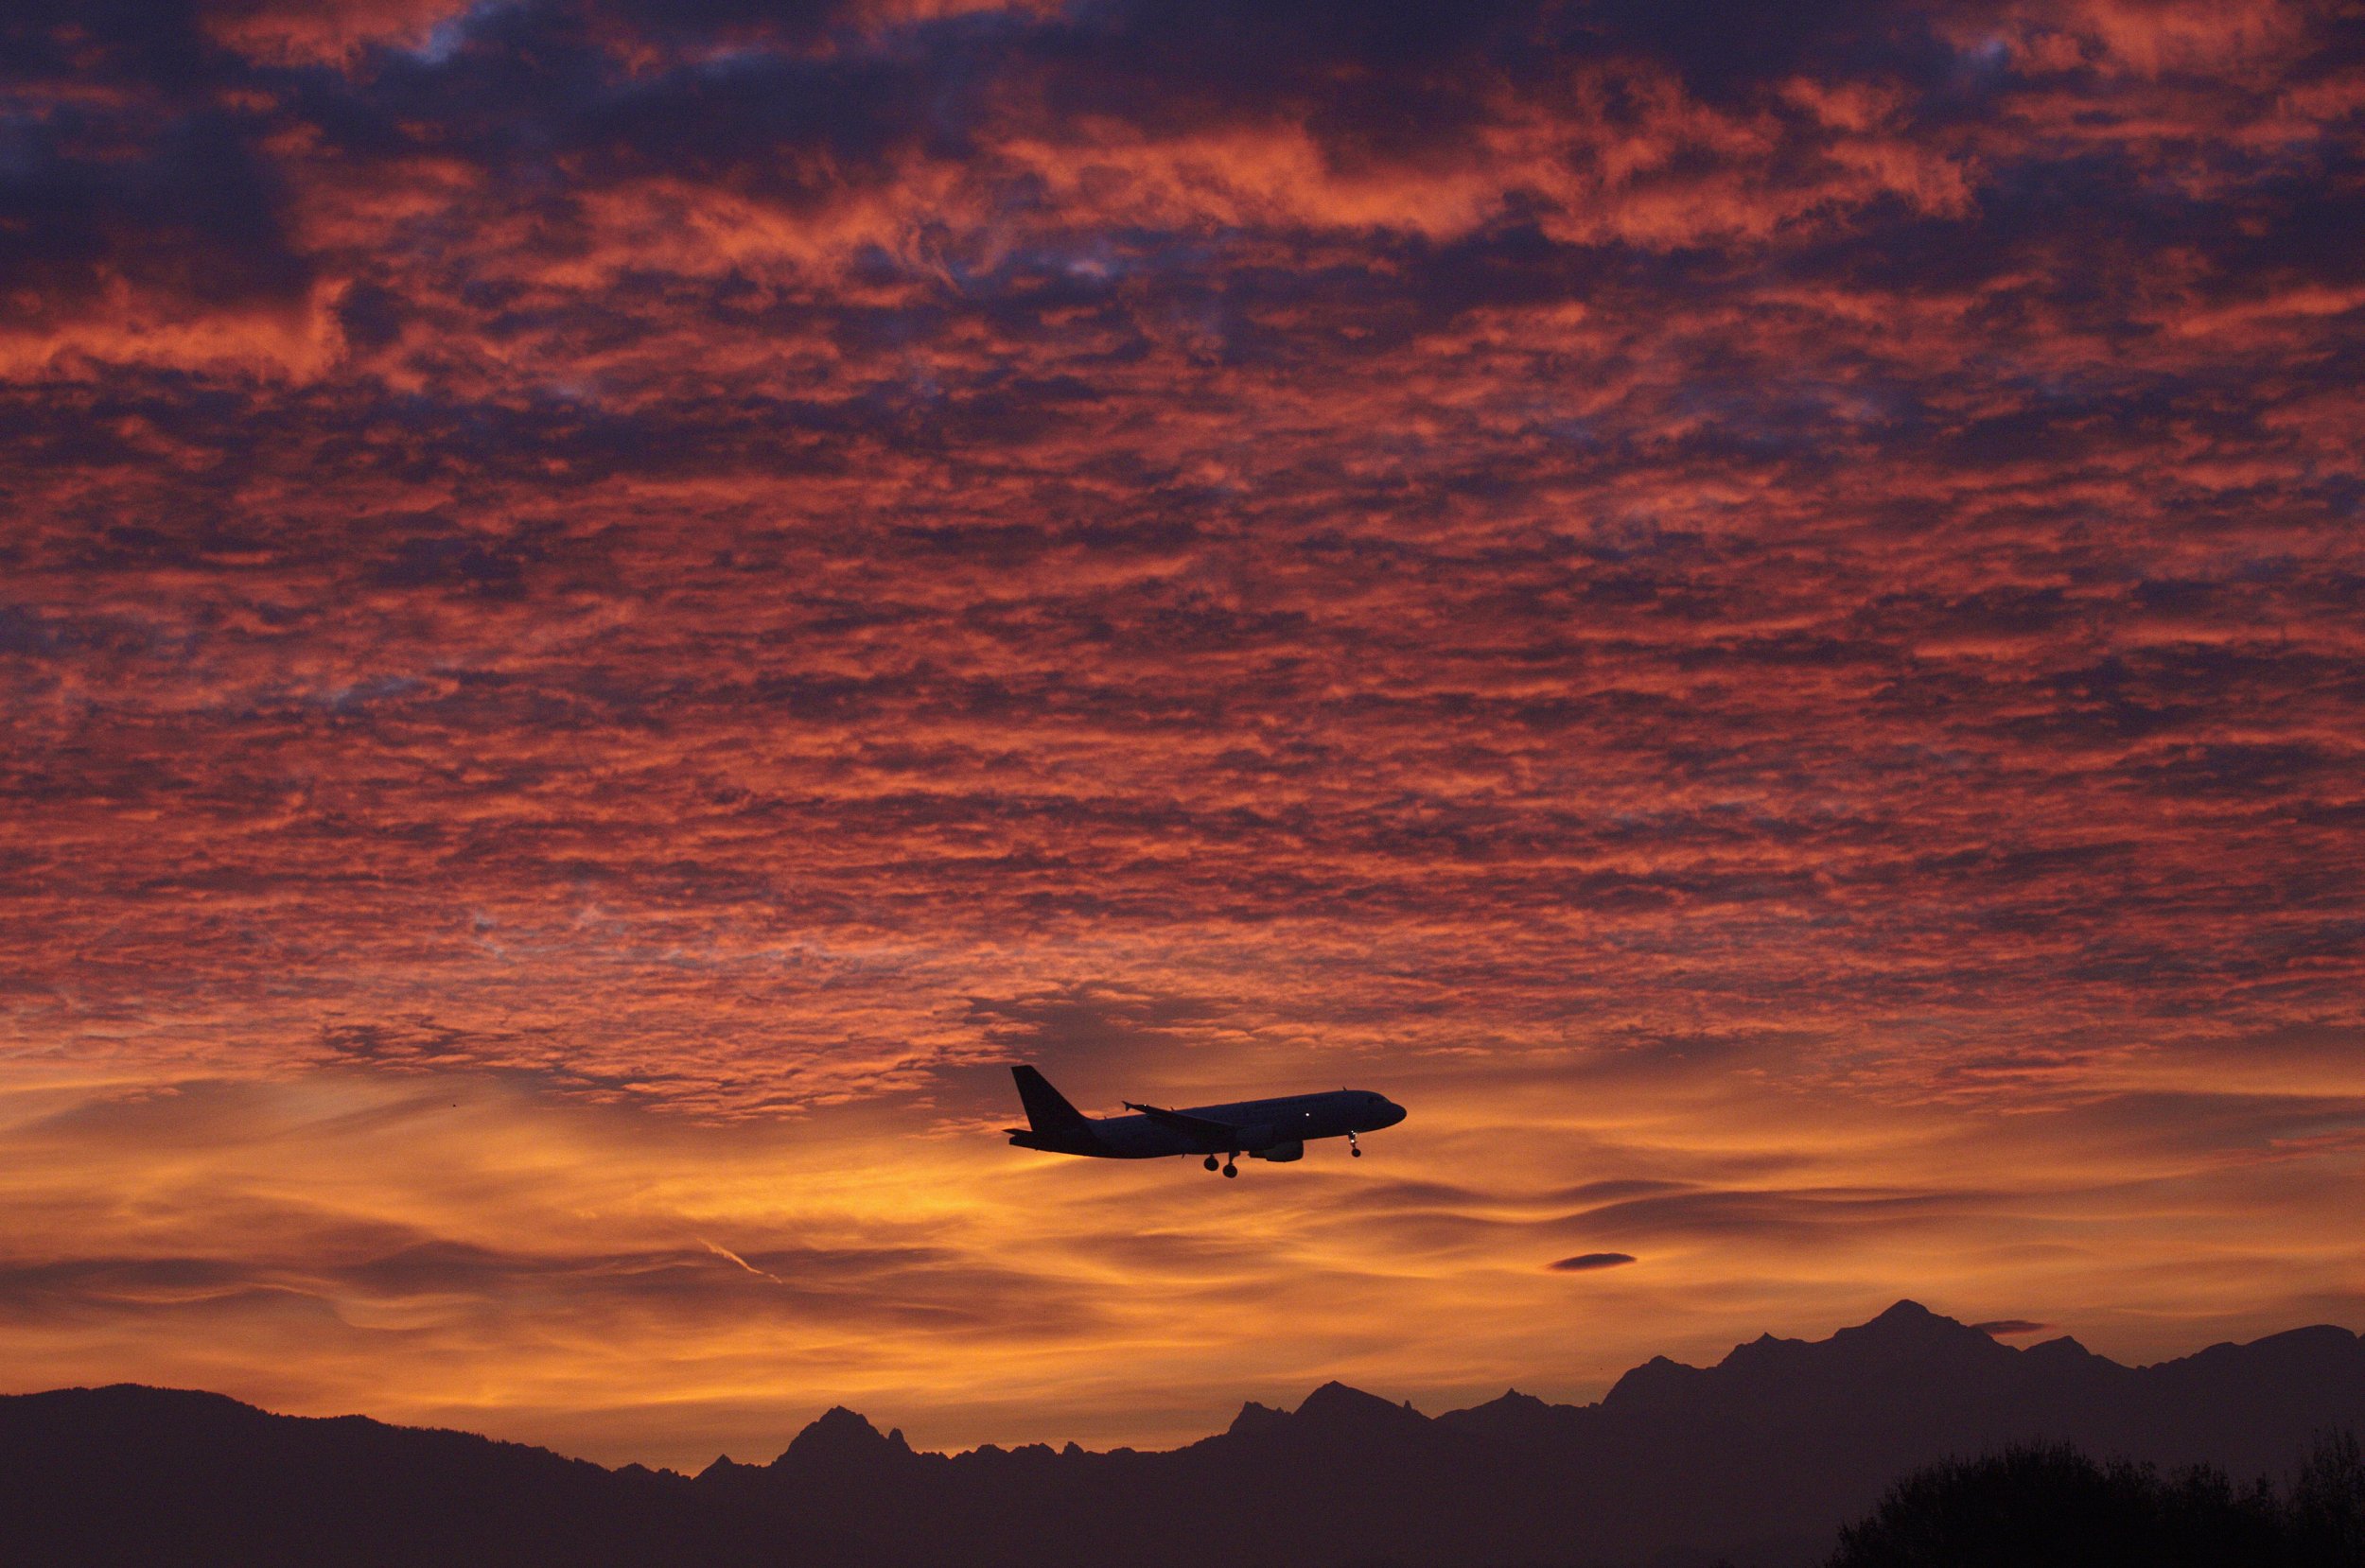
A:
[1757,1460]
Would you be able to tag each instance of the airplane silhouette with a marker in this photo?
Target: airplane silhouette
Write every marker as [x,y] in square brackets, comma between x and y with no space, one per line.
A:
[1262,1129]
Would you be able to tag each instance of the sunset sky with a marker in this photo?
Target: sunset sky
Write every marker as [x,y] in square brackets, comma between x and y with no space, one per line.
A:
[606,609]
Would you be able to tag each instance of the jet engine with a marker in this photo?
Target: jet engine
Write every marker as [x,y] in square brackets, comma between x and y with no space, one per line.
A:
[1279,1154]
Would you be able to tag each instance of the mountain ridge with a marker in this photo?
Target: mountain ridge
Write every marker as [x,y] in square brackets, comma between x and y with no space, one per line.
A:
[1758,1458]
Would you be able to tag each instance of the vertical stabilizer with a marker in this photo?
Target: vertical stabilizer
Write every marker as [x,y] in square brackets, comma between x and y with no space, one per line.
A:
[1047,1110]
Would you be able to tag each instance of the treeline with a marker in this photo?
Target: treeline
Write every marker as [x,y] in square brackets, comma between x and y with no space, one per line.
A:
[2039,1507]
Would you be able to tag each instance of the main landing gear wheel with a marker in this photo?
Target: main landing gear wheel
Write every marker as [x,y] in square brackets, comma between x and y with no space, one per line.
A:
[1230,1169]
[1211,1163]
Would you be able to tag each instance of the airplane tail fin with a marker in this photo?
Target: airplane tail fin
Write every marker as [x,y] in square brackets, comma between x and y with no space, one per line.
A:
[1047,1110]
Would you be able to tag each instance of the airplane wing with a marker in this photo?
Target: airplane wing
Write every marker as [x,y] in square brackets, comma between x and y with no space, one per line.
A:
[1216,1134]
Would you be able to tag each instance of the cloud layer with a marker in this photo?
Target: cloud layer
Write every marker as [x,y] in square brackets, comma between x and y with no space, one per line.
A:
[736,566]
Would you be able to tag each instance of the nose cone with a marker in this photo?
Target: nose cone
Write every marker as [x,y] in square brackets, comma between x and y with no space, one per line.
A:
[1390,1114]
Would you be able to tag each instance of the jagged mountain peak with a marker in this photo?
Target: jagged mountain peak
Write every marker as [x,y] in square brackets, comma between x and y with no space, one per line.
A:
[1342,1413]
[1911,1329]
[1909,1320]
[1656,1381]
[1334,1409]
[839,1435]
[1508,1416]
[1906,1332]
[1335,1402]
[2063,1350]
[1256,1418]
[839,1421]
[1511,1399]
[1761,1351]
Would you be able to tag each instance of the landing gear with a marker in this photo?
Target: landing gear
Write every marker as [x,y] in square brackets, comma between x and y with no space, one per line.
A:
[1230,1169]
[1353,1148]
[1211,1163]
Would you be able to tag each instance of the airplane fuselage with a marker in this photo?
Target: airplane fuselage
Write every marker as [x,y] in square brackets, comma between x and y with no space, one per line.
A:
[1276,1129]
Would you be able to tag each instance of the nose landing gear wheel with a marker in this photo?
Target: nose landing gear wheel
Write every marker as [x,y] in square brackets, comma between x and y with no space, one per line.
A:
[1353,1148]
[1211,1163]
[1357,1152]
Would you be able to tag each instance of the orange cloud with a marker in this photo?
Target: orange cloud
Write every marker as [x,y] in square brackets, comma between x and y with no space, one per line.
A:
[635,1288]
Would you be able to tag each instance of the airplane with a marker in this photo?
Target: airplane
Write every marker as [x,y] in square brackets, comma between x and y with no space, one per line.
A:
[1276,1130]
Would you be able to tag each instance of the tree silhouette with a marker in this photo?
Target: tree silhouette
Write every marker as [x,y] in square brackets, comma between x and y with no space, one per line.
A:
[2037,1507]
[2327,1510]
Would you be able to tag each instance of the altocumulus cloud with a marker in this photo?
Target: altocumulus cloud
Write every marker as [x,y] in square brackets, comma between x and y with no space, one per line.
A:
[1670,591]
